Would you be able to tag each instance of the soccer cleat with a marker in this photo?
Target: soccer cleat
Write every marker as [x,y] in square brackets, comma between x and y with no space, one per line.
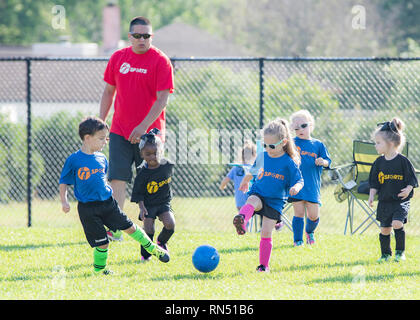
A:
[114,236]
[239,223]
[105,272]
[298,243]
[262,268]
[310,239]
[399,256]
[161,254]
[279,226]
[384,258]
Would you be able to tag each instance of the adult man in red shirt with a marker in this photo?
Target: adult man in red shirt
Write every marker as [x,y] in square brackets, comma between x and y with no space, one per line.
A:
[142,78]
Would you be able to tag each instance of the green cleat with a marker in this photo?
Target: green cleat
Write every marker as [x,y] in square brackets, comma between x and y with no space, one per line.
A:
[384,258]
[399,256]
[160,253]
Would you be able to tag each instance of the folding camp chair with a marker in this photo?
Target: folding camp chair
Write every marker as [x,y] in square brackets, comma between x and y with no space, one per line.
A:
[353,184]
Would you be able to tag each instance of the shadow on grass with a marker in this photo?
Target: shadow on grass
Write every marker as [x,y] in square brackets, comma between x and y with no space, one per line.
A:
[348,278]
[195,276]
[327,265]
[39,246]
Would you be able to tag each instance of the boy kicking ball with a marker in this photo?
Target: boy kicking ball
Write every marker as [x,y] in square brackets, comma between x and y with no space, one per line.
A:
[86,169]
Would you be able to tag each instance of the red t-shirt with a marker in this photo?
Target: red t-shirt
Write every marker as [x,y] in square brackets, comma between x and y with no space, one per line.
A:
[137,78]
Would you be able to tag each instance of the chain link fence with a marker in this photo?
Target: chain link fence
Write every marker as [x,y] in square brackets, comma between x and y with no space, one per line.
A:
[217,104]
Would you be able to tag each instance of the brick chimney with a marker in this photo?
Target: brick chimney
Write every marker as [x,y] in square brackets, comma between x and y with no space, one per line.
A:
[111,27]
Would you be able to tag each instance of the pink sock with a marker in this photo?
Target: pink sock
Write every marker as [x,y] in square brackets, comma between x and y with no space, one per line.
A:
[266,244]
[247,211]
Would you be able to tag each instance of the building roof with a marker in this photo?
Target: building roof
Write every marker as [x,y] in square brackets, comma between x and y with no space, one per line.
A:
[183,41]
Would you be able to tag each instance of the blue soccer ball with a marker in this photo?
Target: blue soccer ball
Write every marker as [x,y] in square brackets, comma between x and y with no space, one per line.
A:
[205,258]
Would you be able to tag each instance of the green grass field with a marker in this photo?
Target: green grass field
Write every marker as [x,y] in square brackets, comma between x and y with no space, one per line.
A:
[55,263]
[52,260]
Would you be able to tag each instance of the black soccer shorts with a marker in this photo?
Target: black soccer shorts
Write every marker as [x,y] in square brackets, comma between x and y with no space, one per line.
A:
[386,212]
[97,214]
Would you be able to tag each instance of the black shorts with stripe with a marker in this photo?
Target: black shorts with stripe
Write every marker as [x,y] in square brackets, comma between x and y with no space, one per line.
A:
[97,214]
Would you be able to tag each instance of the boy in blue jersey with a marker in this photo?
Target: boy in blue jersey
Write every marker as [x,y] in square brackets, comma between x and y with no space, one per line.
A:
[277,176]
[314,157]
[86,170]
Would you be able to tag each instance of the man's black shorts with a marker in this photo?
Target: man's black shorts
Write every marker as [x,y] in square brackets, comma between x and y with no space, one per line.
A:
[392,210]
[154,211]
[94,215]
[122,154]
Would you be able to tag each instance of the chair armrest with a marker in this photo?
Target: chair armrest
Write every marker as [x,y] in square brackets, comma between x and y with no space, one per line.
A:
[347,165]
[334,172]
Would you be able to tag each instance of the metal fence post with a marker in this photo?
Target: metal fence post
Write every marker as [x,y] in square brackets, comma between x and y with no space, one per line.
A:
[261,87]
[29,139]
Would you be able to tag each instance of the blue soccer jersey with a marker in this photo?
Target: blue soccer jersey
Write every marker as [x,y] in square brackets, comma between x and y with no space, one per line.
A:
[88,174]
[309,150]
[236,174]
[273,179]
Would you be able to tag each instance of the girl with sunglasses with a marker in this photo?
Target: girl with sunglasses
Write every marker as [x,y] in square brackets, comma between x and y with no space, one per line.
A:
[277,176]
[393,178]
[237,173]
[314,157]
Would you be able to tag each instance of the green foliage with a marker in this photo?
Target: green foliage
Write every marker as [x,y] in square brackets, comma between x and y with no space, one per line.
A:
[207,103]
[55,139]
[297,92]
[13,162]
[265,28]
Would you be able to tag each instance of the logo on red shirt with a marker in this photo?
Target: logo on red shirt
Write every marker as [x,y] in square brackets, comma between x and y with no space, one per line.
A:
[125,68]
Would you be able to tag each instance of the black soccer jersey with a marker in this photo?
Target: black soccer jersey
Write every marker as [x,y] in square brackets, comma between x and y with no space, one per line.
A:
[153,186]
[390,176]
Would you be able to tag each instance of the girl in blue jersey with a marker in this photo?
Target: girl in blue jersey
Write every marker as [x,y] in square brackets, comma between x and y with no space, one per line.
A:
[237,173]
[86,170]
[314,157]
[277,176]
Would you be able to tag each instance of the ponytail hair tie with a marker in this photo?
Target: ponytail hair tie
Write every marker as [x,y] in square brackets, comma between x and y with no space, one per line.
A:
[149,137]
[388,126]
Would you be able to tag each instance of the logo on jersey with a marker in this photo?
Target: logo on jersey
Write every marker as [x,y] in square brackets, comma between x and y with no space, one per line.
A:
[262,173]
[153,186]
[382,177]
[126,68]
[306,153]
[84,173]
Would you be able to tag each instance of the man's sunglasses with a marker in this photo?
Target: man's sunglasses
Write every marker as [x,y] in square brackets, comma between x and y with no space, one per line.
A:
[302,126]
[273,146]
[140,35]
